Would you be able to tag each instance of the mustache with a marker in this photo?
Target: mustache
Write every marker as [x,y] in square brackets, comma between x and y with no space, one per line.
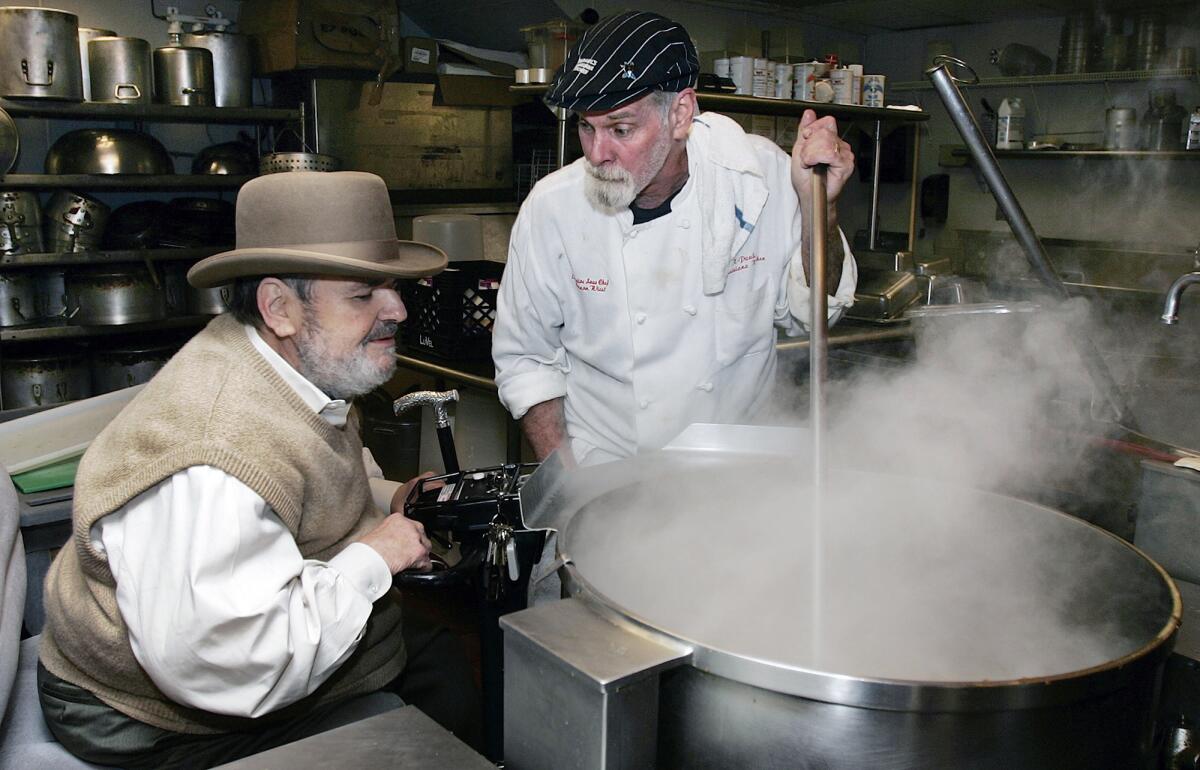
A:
[383,330]
[611,173]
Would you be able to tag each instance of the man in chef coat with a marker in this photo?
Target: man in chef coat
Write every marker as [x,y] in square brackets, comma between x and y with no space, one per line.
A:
[229,584]
[646,280]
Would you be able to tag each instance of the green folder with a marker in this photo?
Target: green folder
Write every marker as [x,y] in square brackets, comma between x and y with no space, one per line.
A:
[54,476]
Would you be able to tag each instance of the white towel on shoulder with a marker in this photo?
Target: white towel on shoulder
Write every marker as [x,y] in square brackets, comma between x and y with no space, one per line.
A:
[732,190]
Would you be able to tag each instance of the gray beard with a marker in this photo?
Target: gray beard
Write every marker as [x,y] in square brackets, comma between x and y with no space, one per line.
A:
[610,192]
[613,189]
[342,378]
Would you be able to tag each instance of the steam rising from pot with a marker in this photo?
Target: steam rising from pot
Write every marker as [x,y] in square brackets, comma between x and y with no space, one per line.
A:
[925,578]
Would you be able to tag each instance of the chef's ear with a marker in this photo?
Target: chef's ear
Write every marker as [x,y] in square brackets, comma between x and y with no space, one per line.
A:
[279,306]
[682,113]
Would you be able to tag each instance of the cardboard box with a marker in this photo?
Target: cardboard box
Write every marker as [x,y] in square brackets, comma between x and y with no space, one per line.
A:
[763,125]
[420,55]
[312,34]
[410,141]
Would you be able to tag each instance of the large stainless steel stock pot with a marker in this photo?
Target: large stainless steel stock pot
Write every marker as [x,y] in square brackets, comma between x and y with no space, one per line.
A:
[716,623]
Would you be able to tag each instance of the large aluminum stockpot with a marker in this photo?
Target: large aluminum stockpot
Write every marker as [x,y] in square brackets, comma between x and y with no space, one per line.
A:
[232,84]
[39,54]
[43,378]
[20,223]
[185,299]
[119,70]
[112,295]
[931,626]
[86,35]
[18,297]
[74,222]
[183,75]
[127,365]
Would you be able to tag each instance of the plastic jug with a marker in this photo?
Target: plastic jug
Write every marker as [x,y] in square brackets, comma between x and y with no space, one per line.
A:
[1010,124]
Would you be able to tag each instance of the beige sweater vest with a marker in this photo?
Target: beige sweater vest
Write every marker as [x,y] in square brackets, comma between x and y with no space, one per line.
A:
[218,402]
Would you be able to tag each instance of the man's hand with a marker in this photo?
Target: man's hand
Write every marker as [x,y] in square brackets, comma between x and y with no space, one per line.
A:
[403,491]
[401,542]
[817,142]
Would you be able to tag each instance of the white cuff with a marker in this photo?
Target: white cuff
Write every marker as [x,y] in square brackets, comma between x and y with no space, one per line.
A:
[527,389]
[366,570]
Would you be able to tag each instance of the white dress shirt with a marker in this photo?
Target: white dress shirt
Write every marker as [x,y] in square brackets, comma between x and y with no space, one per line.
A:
[613,315]
[223,612]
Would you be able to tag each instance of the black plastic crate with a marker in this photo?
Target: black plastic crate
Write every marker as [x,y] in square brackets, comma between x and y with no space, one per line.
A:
[451,314]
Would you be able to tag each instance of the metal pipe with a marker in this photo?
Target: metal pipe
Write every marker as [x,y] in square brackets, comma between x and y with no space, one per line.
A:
[912,192]
[839,337]
[1170,314]
[561,148]
[985,162]
[876,167]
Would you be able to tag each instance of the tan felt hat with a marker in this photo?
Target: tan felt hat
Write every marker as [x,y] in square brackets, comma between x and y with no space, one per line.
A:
[317,223]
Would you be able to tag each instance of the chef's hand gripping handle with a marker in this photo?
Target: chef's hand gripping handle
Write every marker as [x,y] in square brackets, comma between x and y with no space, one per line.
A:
[437,400]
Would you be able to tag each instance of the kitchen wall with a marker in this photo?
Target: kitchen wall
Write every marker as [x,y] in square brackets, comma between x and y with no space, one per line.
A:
[1128,201]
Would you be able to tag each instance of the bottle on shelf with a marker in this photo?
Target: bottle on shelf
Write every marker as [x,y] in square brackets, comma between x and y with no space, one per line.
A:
[1193,135]
[1163,123]
[1010,124]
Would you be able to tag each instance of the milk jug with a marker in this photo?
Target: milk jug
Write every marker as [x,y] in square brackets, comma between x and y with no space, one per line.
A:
[1010,124]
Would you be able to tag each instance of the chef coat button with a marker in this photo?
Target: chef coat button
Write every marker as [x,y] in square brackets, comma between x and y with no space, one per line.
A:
[373,588]
[640,318]
[706,387]
[689,309]
[644,403]
[633,233]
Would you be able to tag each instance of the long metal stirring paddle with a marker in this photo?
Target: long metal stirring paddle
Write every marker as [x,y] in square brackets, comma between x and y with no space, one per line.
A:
[818,349]
[818,334]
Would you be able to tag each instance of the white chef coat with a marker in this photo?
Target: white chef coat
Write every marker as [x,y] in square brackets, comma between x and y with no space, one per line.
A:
[612,315]
[223,612]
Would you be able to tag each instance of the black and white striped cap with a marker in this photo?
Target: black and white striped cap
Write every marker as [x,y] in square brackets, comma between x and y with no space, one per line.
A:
[623,58]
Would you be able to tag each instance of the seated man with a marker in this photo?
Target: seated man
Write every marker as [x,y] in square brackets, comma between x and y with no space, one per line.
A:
[645,282]
[229,585]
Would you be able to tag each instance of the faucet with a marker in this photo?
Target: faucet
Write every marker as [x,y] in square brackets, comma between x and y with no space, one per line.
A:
[1171,306]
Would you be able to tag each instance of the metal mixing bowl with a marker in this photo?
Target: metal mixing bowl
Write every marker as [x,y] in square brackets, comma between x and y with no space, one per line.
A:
[108,151]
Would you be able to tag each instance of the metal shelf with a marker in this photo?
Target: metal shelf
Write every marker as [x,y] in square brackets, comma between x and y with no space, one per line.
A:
[1050,80]
[63,331]
[107,257]
[124,181]
[962,152]
[166,113]
[793,108]
[758,105]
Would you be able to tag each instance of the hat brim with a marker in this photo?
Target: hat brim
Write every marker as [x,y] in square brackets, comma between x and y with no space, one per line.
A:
[388,260]
[600,102]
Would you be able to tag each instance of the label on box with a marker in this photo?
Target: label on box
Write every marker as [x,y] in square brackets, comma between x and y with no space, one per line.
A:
[427,282]
[420,55]
[488,284]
